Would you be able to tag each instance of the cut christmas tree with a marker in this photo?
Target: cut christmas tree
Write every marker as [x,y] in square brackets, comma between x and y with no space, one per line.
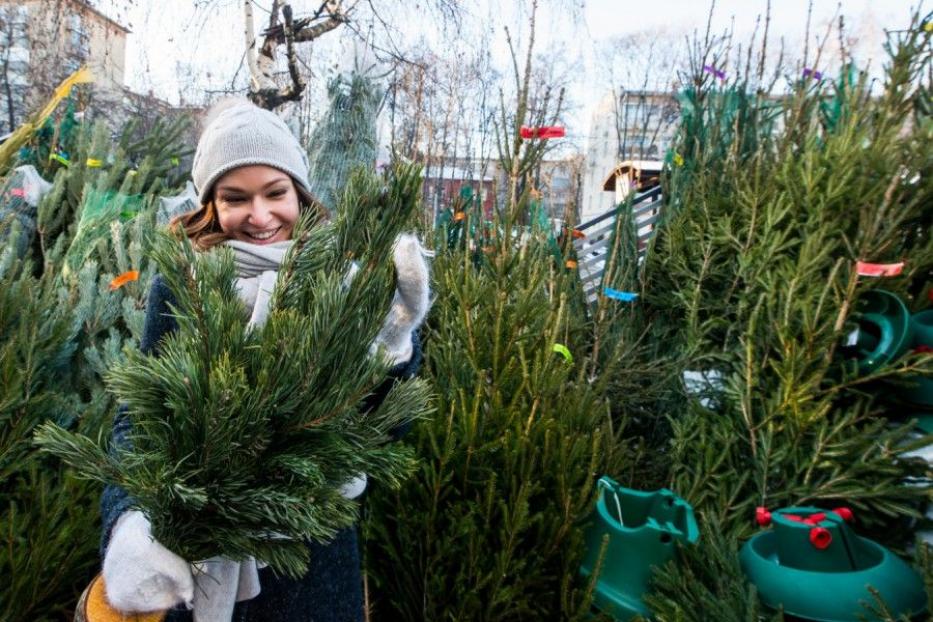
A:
[237,450]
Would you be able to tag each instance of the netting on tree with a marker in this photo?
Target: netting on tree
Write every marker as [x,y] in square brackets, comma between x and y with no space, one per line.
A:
[99,208]
[346,137]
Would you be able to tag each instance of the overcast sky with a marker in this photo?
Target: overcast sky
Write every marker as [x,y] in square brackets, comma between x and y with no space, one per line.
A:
[173,37]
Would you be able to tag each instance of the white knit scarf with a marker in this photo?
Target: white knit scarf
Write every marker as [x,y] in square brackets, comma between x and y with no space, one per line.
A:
[257,267]
[221,582]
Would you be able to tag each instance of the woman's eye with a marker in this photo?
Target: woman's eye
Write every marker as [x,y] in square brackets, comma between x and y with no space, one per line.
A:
[233,200]
[277,193]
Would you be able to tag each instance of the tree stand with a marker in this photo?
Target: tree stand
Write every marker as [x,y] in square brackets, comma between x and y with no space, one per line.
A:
[632,531]
[814,566]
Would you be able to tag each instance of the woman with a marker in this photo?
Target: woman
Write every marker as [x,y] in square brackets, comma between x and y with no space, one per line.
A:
[251,176]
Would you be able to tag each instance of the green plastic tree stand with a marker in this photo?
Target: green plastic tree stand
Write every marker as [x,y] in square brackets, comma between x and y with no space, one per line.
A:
[884,330]
[640,530]
[814,566]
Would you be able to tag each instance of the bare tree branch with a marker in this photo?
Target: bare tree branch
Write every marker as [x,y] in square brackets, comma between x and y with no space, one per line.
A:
[273,96]
[304,30]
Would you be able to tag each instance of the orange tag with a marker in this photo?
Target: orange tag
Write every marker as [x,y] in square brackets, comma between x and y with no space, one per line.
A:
[458,216]
[123,279]
[879,269]
[577,234]
[571,264]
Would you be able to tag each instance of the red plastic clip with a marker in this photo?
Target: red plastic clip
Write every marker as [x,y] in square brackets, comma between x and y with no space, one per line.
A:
[923,349]
[820,537]
[17,192]
[815,519]
[762,516]
[546,131]
[865,268]
[845,514]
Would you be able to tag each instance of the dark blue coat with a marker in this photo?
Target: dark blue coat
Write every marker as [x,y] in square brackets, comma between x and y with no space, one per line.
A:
[331,590]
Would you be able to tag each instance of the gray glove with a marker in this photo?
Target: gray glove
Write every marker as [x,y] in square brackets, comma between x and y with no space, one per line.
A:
[411,302]
[139,573]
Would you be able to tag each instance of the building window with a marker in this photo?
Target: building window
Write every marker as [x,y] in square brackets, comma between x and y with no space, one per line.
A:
[78,37]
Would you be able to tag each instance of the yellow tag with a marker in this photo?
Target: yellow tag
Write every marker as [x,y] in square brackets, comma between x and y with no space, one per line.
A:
[93,163]
[928,26]
[60,159]
[678,159]
[563,351]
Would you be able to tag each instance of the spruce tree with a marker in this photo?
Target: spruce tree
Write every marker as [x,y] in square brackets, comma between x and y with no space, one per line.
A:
[752,275]
[489,528]
[59,335]
[48,533]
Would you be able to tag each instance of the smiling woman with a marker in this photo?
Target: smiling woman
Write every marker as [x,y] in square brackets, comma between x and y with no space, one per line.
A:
[251,177]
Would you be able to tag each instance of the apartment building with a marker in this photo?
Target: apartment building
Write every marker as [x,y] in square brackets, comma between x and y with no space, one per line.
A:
[633,125]
[43,41]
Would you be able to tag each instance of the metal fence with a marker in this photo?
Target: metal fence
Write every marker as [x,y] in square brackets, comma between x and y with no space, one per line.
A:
[592,247]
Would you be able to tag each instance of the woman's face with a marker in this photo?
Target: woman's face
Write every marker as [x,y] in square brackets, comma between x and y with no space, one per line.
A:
[256,204]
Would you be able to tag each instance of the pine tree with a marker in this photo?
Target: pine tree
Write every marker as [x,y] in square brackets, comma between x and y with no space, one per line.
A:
[233,442]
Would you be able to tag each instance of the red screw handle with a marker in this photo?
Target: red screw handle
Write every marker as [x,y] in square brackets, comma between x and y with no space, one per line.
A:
[820,537]
[762,516]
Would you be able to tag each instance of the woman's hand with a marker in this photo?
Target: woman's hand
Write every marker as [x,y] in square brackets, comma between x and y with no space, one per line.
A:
[411,302]
[139,573]
[354,487]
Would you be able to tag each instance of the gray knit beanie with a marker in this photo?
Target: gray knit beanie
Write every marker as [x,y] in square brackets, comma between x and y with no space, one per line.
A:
[239,133]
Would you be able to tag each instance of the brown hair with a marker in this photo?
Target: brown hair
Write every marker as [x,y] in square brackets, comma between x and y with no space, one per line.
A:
[202,226]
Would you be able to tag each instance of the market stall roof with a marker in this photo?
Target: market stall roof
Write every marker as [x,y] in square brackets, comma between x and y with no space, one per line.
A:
[646,170]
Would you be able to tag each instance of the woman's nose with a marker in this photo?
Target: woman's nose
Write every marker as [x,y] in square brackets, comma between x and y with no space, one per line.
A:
[260,214]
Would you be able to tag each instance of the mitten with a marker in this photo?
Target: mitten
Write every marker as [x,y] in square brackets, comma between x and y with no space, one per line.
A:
[139,573]
[411,301]
[355,487]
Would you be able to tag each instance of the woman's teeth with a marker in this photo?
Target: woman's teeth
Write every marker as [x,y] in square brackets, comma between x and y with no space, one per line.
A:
[265,235]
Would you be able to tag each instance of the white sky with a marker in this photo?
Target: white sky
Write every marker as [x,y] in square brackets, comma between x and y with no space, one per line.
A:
[172,37]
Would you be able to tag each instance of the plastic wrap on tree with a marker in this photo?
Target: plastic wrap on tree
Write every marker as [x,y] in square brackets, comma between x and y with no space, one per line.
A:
[19,201]
[169,207]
